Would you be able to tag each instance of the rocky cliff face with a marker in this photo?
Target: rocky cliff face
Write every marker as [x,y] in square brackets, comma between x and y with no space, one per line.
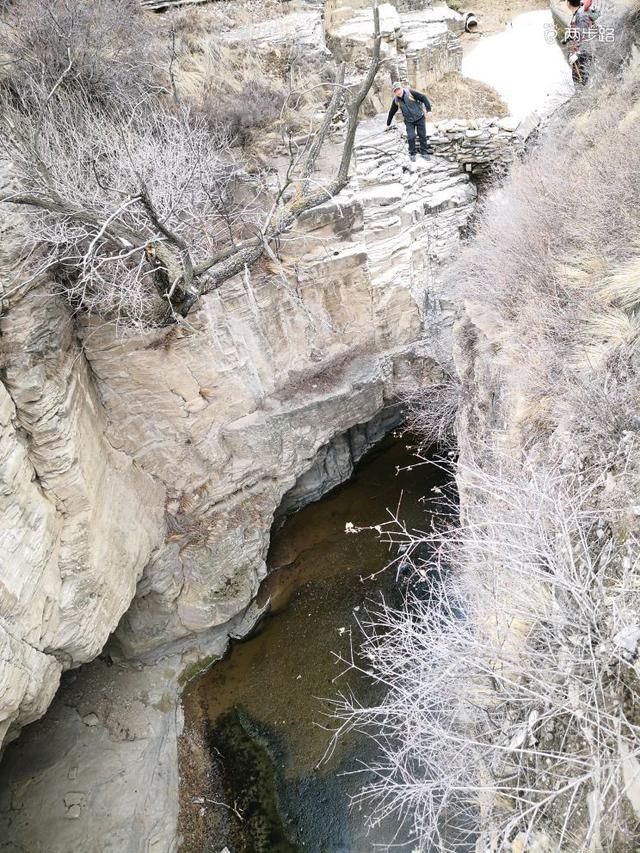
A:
[73,542]
[547,356]
[160,461]
[229,415]
[183,443]
[420,42]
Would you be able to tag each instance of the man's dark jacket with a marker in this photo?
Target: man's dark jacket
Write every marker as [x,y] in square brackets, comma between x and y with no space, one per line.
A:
[411,105]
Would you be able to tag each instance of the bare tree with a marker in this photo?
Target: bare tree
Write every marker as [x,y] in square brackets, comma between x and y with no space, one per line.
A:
[125,206]
[432,408]
[142,211]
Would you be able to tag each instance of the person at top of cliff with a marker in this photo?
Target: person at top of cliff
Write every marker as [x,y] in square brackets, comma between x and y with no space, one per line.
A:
[415,106]
[579,37]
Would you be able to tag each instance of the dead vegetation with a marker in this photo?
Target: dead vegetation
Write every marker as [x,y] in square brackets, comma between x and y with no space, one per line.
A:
[462,97]
[256,95]
[511,713]
[102,49]
[431,409]
[511,721]
[555,260]
[135,198]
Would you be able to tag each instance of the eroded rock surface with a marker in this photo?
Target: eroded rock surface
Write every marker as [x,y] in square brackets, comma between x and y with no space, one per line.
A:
[169,454]
[419,42]
[73,540]
[141,473]
[278,364]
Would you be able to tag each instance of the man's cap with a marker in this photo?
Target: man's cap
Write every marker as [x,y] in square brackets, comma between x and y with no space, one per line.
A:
[397,85]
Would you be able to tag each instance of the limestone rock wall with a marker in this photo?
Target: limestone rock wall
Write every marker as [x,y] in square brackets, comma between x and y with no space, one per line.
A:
[229,416]
[261,396]
[277,364]
[477,143]
[73,540]
[334,463]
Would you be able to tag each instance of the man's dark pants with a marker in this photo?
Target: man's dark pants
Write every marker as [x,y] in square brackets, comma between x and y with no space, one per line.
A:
[581,69]
[420,127]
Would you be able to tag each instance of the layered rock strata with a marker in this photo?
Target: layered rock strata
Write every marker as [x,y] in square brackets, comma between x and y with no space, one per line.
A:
[167,455]
[73,541]
[420,43]
[278,364]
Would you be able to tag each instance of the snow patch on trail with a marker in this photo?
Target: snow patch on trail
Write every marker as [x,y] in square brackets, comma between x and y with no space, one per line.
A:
[524,65]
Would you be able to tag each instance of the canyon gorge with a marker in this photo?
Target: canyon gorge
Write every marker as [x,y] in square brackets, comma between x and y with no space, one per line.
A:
[144,472]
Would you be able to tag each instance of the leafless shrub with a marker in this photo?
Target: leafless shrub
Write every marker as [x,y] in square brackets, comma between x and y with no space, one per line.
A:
[105,44]
[549,247]
[432,408]
[624,19]
[458,96]
[257,105]
[146,183]
[189,21]
[128,199]
[600,407]
[511,716]
[262,91]
[512,686]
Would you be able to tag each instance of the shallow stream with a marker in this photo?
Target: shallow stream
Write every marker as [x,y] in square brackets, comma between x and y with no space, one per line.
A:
[260,707]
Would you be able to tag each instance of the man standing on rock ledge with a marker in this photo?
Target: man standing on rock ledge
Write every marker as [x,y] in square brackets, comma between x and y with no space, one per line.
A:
[414,105]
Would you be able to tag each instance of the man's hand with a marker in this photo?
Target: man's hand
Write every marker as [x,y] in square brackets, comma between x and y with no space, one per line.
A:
[387,128]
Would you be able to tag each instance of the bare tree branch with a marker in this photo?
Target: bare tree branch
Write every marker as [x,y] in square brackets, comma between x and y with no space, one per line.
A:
[125,199]
[320,136]
[231,265]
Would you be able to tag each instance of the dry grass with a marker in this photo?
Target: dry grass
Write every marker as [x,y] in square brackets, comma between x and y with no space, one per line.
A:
[251,92]
[554,260]
[107,45]
[210,18]
[432,408]
[455,96]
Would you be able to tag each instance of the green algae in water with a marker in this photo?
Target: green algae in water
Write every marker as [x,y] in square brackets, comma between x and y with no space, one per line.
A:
[196,668]
[250,780]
